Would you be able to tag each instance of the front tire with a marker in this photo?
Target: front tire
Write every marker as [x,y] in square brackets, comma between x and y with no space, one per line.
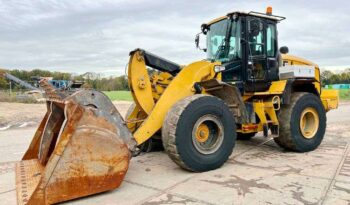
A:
[199,133]
[302,123]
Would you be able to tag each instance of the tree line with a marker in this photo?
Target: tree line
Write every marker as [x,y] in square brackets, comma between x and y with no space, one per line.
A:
[91,80]
[329,77]
[95,81]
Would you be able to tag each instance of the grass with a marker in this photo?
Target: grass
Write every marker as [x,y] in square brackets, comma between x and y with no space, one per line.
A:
[20,98]
[126,95]
[344,94]
[119,95]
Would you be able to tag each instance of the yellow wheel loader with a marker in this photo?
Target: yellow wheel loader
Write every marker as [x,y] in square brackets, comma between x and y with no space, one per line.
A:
[245,85]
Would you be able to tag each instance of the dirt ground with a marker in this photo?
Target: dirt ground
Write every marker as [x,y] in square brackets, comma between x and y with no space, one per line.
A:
[23,115]
[258,171]
[16,113]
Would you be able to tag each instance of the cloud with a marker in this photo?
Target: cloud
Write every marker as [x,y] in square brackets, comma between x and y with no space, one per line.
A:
[81,36]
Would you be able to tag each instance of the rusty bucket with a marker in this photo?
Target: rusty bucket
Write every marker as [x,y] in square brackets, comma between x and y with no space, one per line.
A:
[81,147]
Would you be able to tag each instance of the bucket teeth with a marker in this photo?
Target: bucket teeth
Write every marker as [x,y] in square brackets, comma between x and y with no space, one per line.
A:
[28,175]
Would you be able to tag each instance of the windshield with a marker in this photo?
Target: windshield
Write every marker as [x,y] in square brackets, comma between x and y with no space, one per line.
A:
[218,47]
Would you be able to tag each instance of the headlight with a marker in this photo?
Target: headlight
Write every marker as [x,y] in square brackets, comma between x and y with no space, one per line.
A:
[219,68]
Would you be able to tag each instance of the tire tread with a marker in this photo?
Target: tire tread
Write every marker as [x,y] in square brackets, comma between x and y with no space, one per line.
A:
[169,130]
[285,138]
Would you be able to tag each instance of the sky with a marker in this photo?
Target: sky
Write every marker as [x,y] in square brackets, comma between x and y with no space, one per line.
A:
[96,36]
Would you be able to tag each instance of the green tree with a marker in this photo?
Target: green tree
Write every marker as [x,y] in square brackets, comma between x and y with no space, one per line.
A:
[3,83]
[325,76]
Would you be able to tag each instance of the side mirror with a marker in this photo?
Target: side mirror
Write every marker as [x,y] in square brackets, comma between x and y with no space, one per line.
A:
[284,50]
[197,40]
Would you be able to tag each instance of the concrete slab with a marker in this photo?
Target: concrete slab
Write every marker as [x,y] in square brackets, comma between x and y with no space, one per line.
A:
[339,193]
[172,199]
[344,171]
[335,201]
[154,158]
[331,147]
[12,152]
[309,164]
[126,194]
[237,184]
[337,131]
[156,176]
[14,143]
[258,172]
[6,167]
[16,136]
[244,146]
[8,198]
[7,182]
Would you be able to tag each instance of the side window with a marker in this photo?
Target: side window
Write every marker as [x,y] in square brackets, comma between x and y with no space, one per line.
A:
[256,38]
[271,40]
[259,44]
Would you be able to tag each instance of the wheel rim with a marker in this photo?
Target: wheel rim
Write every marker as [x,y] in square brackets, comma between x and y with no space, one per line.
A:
[207,134]
[202,133]
[309,123]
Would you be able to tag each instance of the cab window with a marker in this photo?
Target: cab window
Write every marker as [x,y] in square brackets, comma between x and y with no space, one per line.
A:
[256,39]
[271,40]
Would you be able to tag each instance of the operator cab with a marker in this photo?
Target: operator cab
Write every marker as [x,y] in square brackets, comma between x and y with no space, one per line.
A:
[246,45]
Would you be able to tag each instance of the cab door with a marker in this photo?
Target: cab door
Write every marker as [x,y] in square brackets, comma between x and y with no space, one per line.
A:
[272,51]
[260,54]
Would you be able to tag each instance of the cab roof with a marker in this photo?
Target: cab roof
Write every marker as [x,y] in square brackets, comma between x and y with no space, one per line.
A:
[251,13]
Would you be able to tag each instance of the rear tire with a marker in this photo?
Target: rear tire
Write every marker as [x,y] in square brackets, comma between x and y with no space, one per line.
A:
[302,123]
[199,133]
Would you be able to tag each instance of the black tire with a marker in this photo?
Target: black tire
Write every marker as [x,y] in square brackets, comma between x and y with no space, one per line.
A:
[290,134]
[151,144]
[178,128]
[245,136]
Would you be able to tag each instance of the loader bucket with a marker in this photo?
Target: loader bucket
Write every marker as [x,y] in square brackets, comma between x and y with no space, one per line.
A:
[81,147]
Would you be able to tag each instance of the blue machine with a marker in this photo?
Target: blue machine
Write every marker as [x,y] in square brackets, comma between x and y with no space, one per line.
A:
[60,84]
